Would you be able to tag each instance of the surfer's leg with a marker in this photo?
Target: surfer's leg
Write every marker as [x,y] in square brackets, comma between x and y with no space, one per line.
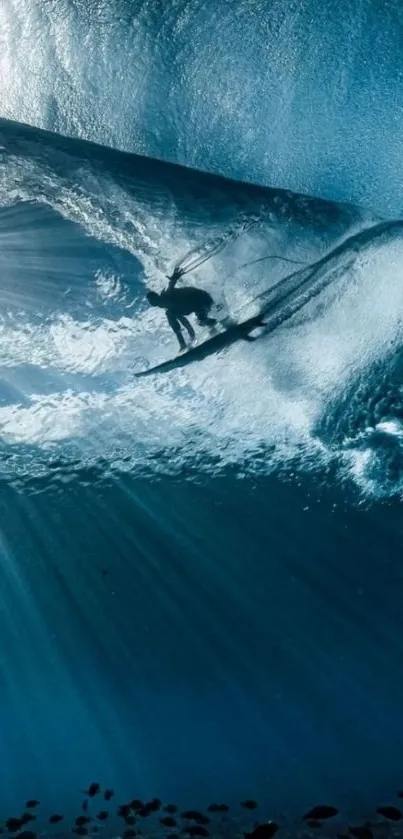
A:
[246,336]
[184,321]
[203,318]
[175,326]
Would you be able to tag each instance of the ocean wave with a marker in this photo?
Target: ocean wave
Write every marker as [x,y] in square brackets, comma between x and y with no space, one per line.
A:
[85,230]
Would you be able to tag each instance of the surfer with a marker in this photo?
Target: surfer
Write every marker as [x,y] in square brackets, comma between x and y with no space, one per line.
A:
[179,302]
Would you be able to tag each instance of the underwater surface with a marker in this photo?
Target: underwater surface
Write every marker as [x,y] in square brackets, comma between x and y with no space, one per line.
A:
[303,94]
[201,577]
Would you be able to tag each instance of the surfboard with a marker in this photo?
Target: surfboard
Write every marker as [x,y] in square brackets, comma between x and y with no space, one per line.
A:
[211,346]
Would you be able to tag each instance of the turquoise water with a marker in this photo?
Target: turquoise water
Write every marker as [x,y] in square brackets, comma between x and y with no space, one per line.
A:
[200,572]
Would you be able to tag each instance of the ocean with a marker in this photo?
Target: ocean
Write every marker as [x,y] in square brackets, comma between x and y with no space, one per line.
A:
[200,571]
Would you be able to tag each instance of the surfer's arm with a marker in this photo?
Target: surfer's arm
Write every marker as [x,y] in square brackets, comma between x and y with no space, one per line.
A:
[173,278]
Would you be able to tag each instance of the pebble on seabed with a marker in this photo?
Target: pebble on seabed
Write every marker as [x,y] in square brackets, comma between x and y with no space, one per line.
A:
[196,816]
[168,821]
[138,809]
[321,811]
[390,812]
[264,831]
[93,789]
[361,832]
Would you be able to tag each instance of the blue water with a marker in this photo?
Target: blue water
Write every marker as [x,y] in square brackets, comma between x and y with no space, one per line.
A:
[201,572]
[303,95]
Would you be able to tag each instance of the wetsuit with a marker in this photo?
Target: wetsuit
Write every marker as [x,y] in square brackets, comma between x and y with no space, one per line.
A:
[179,302]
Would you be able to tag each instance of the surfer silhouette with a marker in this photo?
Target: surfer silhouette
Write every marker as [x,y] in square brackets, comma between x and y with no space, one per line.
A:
[180,302]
